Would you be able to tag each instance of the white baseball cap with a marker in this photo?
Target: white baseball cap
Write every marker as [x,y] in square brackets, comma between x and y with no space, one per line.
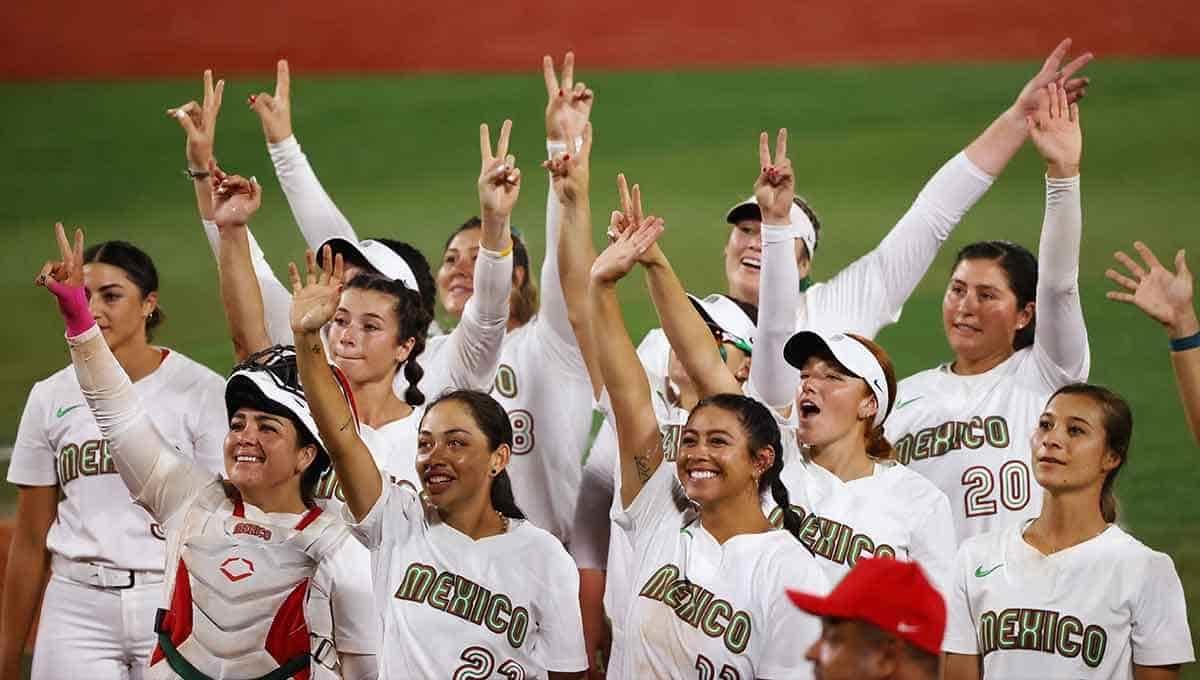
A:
[721,311]
[381,258]
[850,353]
[802,227]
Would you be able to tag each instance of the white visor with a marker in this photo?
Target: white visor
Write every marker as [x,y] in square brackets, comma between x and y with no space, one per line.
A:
[381,258]
[720,311]
[802,227]
[850,353]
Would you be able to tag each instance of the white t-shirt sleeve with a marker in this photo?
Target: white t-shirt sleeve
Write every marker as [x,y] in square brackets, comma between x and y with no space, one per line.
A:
[357,626]
[790,631]
[870,292]
[33,462]
[561,622]
[590,533]
[391,519]
[316,214]
[1160,633]
[208,425]
[1060,347]
[960,625]
[934,544]
[653,508]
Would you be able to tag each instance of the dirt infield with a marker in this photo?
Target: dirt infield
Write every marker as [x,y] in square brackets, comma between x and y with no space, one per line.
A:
[61,39]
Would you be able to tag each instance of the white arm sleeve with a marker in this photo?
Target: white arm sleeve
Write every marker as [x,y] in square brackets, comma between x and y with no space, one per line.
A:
[315,212]
[771,377]
[553,311]
[871,291]
[590,533]
[472,352]
[157,479]
[1060,337]
[277,300]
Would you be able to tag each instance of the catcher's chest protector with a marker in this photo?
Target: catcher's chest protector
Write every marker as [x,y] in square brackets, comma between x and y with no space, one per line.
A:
[238,603]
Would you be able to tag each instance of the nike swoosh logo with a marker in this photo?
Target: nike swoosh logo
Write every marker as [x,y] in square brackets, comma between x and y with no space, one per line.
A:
[906,403]
[907,628]
[980,573]
[64,411]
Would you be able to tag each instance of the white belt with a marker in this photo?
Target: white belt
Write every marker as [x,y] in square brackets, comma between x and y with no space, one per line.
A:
[101,576]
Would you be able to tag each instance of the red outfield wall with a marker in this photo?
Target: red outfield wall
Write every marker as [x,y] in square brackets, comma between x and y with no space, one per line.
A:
[76,39]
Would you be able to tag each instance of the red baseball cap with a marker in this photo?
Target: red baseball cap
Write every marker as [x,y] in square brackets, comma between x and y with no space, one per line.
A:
[891,595]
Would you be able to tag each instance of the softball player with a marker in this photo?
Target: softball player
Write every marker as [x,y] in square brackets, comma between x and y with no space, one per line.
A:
[105,554]
[467,587]
[1069,593]
[226,617]
[963,425]
[539,376]
[718,564]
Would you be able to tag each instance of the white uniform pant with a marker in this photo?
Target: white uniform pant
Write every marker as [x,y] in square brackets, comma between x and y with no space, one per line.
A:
[95,633]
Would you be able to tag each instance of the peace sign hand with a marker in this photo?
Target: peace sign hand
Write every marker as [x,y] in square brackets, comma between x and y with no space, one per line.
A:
[275,111]
[776,184]
[568,103]
[1052,71]
[199,121]
[315,301]
[66,272]
[235,199]
[1164,296]
[569,172]
[626,249]
[499,177]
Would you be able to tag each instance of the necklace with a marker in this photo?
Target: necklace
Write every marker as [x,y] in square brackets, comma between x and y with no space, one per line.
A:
[503,522]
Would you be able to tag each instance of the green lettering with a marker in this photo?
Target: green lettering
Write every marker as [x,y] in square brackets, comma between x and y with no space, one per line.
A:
[417,580]
[518,625]
[500,606]
[1068,626]
[1095,640]
[656,586]
[737,633]
[440,597]
[709,623]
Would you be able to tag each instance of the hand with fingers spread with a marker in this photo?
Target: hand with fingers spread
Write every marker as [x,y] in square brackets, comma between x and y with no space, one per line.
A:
[1030,98]
[275,111]
[1165,296]
[64,278]
[568,103]
[776,183]
[1056,134]
[199,121]
[569,172]
[315,301]
[235,199]
[619,257]
[499,176]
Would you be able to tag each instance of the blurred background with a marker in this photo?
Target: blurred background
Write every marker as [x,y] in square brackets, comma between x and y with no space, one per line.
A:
[387,98]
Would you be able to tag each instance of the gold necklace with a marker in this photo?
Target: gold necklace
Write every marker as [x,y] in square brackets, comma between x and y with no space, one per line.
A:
[503,522]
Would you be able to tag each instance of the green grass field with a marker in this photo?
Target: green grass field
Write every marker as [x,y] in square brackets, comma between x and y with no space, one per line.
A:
[400,156]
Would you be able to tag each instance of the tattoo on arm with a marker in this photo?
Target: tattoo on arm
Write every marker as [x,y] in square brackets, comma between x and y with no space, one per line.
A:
[346,424]
[642,462]
[316,348]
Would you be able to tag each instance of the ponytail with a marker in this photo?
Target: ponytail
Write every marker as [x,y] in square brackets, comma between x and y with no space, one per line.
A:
[502,496]
[779,493]
[878,446]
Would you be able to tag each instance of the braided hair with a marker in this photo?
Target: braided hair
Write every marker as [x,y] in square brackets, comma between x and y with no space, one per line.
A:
[413,318]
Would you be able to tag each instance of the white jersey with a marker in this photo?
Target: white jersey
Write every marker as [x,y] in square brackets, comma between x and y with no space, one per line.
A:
[1090,611]
[893,512]
[503,606]
[719,610]
[59,444]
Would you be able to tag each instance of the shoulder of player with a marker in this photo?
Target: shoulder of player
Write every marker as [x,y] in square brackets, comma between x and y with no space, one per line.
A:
[523,538]
[902,481]
[184,372]
[1119,545]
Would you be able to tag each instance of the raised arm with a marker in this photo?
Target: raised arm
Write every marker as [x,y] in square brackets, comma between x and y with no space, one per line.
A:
[772,378]
[638,436]
[1060,335]
[235,199]
[157,479]
[314,302]
[690,338]
[1166,297]
[316,214]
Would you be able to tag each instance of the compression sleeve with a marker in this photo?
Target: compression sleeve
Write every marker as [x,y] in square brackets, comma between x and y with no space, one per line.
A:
[771,377]
[277,300]
[1060,336]
[157,479]
[553,310]
[315,212]
[472,352]
[870,293]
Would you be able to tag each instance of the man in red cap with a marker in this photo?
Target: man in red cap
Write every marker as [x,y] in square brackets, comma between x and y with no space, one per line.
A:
[884,620]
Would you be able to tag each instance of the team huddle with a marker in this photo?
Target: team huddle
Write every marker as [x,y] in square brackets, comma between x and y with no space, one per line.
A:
[368,495]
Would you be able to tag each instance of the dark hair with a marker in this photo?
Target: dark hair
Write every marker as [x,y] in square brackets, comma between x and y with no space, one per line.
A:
[413,321]
[876,637]
[1020,267]
[523,303]
[493,422]
[241,393]
[412,257]
[1118,433]
[761,430]
[137,265]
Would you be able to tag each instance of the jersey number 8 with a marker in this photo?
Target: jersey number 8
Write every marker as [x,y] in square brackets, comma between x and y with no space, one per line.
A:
[980,483]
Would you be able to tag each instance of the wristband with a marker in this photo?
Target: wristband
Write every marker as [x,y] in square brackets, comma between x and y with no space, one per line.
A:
[507,251]
[197,174]
[1184,344]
